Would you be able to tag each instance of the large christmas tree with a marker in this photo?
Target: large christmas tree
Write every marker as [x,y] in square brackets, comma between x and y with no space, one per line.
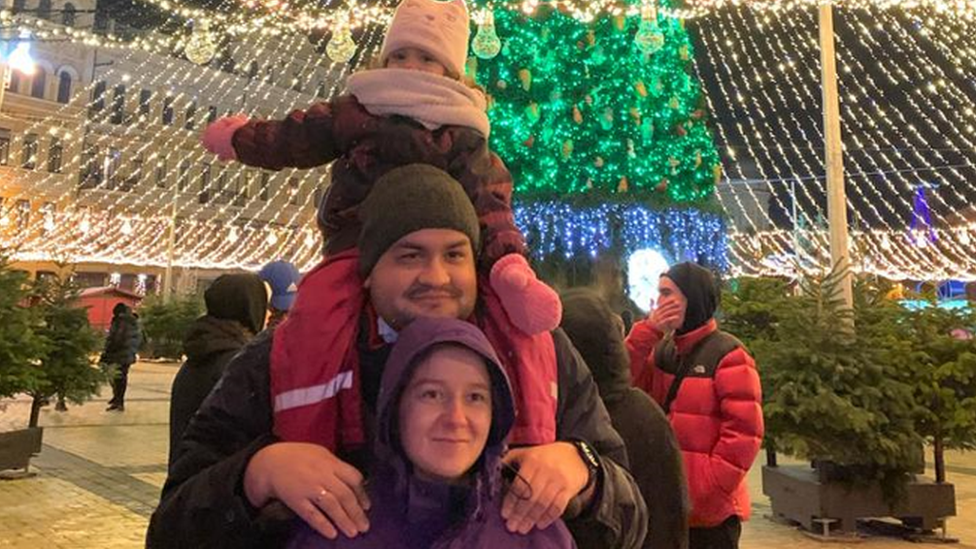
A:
[604,128]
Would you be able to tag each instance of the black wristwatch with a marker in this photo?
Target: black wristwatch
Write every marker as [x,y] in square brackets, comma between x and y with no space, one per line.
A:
[590,459]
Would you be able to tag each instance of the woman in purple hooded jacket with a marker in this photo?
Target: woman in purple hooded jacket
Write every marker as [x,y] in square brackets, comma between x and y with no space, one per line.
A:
[445,409]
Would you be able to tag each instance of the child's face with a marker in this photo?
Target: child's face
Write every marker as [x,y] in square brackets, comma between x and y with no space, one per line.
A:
[416,60]
[445,413]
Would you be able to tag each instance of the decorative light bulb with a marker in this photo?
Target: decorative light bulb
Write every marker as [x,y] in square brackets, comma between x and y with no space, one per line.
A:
[649,37]
[201,47]
[486,44]
[341,46]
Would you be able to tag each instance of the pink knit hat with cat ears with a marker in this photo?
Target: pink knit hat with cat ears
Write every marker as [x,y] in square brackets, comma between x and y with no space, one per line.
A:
[440,29]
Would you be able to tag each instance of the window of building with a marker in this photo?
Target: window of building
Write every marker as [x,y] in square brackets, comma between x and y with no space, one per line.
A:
[183,181]
[161,173]
[252,70]
[55,152]
[191,113]
[145,102]
[135,173]
[28,157]
[265,186]
[39,83]
[320,91]
[4,146]
[118,105]
[98,97]
[221,194]
[44,9]
[13,86]
[294,191]
[68,15]
[204,183]
[23,213]
[20,5]
[243,188]
[47,211]
[91,167]
[211,113]
[64,87]
[89,280]
[113,161]
[168,110]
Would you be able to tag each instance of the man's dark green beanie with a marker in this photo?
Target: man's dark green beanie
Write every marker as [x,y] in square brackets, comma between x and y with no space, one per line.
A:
[408,199]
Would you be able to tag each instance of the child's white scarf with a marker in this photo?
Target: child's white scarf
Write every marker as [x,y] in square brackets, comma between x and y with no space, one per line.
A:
[432,100]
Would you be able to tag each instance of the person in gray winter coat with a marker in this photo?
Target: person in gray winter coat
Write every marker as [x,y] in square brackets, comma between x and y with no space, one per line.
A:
[652,449]
[121,346]
[236,311]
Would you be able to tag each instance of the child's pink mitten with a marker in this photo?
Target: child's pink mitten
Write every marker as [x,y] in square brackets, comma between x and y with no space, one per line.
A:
[218,137]
[531,305]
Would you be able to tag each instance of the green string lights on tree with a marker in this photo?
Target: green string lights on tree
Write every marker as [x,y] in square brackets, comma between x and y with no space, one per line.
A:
[597,107]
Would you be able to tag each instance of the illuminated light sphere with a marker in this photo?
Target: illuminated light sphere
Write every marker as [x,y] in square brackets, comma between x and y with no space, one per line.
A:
[341,46]
[486,44]
[644,268]
[201,48]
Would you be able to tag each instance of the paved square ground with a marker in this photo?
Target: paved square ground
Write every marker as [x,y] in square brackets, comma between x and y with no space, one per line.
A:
[98,478]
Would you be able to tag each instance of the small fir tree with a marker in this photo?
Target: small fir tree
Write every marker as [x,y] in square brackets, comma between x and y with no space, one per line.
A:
[66,369]
[165,323]
[20,344]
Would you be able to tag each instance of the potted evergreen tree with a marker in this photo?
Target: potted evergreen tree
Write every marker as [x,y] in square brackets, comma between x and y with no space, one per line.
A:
[840,391]
[20,348]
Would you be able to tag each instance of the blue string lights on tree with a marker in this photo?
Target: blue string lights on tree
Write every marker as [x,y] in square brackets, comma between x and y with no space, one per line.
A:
[557,228]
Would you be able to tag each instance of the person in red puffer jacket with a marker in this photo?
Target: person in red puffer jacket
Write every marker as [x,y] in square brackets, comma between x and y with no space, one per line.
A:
[707,384]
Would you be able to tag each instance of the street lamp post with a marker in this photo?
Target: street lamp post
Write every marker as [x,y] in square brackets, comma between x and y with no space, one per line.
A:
[170,247]
[836,197]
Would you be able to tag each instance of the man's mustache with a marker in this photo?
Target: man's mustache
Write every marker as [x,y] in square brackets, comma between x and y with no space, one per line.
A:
[423,290]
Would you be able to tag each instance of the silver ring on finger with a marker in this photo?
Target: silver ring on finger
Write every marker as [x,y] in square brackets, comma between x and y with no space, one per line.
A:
[321,495]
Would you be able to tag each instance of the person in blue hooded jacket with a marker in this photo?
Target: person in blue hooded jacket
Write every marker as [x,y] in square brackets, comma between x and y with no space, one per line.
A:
[445,409]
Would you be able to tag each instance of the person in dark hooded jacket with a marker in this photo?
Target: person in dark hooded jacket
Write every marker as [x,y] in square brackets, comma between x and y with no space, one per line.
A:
[652,449]
[445,409]
[236,311]
[708,385]
[121,346]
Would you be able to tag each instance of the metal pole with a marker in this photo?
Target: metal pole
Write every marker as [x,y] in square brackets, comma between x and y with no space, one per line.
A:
[170,247]
[796,228]
[836,197]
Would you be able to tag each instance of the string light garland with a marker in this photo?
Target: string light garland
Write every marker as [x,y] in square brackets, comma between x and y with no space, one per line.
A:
[905,80]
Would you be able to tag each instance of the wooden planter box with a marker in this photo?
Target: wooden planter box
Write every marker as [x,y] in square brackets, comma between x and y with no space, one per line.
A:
[796,493]
[17,447]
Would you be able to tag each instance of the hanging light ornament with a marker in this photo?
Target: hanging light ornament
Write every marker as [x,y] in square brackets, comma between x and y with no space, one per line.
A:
[649,37]
[486,44]
[200,49]
[341,46]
